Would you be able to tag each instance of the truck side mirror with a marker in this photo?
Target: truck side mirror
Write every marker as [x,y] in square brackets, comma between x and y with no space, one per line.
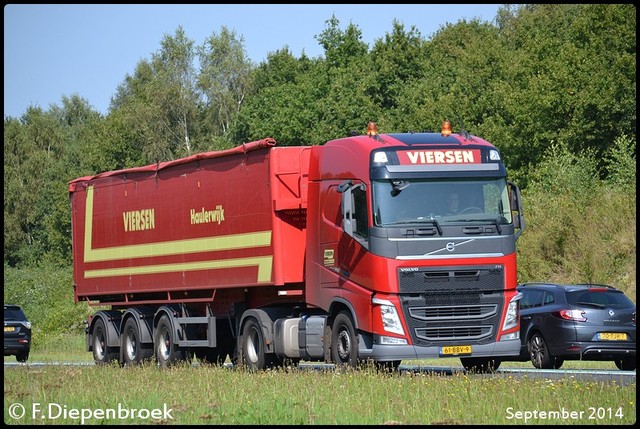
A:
[516,206]
[347,204]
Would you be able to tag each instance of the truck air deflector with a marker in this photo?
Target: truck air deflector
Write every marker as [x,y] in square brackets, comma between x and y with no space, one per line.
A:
[425,138]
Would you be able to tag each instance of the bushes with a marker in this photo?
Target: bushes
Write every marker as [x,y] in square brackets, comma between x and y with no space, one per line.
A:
[580,228]
[45,292]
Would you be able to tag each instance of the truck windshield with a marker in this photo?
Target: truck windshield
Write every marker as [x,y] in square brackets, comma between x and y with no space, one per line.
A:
[409,201]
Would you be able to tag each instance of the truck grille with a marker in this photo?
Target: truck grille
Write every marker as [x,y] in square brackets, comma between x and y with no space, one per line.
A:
[452,305]
[448,333]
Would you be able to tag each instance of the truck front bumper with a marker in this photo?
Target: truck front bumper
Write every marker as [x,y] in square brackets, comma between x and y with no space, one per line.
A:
[367,349]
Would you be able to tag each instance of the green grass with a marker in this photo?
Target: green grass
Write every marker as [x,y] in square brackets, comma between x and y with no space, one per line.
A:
[213,395]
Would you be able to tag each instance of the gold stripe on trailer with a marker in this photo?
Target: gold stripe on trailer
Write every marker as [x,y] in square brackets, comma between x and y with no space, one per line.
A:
[264,264]
[165,248]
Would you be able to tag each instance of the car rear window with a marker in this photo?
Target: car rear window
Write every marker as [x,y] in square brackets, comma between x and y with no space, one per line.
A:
[600,299]
[12,313]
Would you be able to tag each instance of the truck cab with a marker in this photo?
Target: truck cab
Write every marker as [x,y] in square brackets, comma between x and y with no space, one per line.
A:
[419,279]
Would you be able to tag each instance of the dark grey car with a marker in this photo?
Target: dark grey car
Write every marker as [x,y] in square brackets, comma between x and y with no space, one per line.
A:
[17,333]
[561,322]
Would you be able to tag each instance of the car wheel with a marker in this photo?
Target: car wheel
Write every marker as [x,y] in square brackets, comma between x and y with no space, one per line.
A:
[22,357]
[540,355]
[626,364]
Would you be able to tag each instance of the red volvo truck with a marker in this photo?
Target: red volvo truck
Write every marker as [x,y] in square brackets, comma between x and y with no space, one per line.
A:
[342,253]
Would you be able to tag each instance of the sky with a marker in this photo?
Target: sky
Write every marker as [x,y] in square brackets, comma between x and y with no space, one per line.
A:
[51,51]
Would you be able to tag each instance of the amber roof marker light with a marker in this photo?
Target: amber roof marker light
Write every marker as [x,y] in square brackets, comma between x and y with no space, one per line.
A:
[446,128]
[372,129]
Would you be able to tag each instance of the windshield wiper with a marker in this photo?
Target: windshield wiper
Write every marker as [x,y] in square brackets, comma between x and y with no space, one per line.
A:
[492,220]
[437,224]
[418,220]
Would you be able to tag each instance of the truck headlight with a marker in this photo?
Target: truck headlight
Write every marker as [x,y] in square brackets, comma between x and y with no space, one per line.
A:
[390,319]
[512,313]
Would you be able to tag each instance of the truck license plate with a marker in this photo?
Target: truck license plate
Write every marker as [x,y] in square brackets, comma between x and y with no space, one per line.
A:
[613,336]
[455,350]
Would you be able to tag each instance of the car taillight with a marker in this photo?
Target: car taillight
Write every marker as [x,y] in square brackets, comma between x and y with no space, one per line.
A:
[575,315]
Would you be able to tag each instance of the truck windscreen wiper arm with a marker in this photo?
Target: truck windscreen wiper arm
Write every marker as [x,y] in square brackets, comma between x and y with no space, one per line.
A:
[436,223]
[492,220]
[414,221]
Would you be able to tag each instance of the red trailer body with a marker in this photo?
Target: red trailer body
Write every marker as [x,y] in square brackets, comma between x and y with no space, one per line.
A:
[181,230]
[265,253]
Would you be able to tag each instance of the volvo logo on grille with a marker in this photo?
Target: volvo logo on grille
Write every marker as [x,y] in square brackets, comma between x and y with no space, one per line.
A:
[451,246]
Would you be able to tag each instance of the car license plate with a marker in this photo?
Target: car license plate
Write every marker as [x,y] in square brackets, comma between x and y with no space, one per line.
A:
[613,336]
[9,328]
[455,350]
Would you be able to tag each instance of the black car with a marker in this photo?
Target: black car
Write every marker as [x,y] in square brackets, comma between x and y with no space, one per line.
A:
[586,322]
[17,333]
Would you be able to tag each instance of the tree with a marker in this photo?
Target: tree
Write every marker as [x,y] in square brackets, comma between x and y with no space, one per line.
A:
[225,79]
[397,59]
[571,77]
[288,87]
[161,101]
[341,48]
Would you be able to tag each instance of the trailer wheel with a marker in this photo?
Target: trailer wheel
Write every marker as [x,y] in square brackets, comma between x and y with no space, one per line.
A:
[253,355]
[134,352]
[344,343]
[102,353]
[167,351]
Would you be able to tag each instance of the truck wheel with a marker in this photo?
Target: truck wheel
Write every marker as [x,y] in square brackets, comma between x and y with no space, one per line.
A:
[134,352]
[480,365]
[102,353]
[253,355]
[167,351]
[344,343]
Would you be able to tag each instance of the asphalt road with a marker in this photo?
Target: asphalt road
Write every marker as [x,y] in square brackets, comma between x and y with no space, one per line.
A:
[617,376]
